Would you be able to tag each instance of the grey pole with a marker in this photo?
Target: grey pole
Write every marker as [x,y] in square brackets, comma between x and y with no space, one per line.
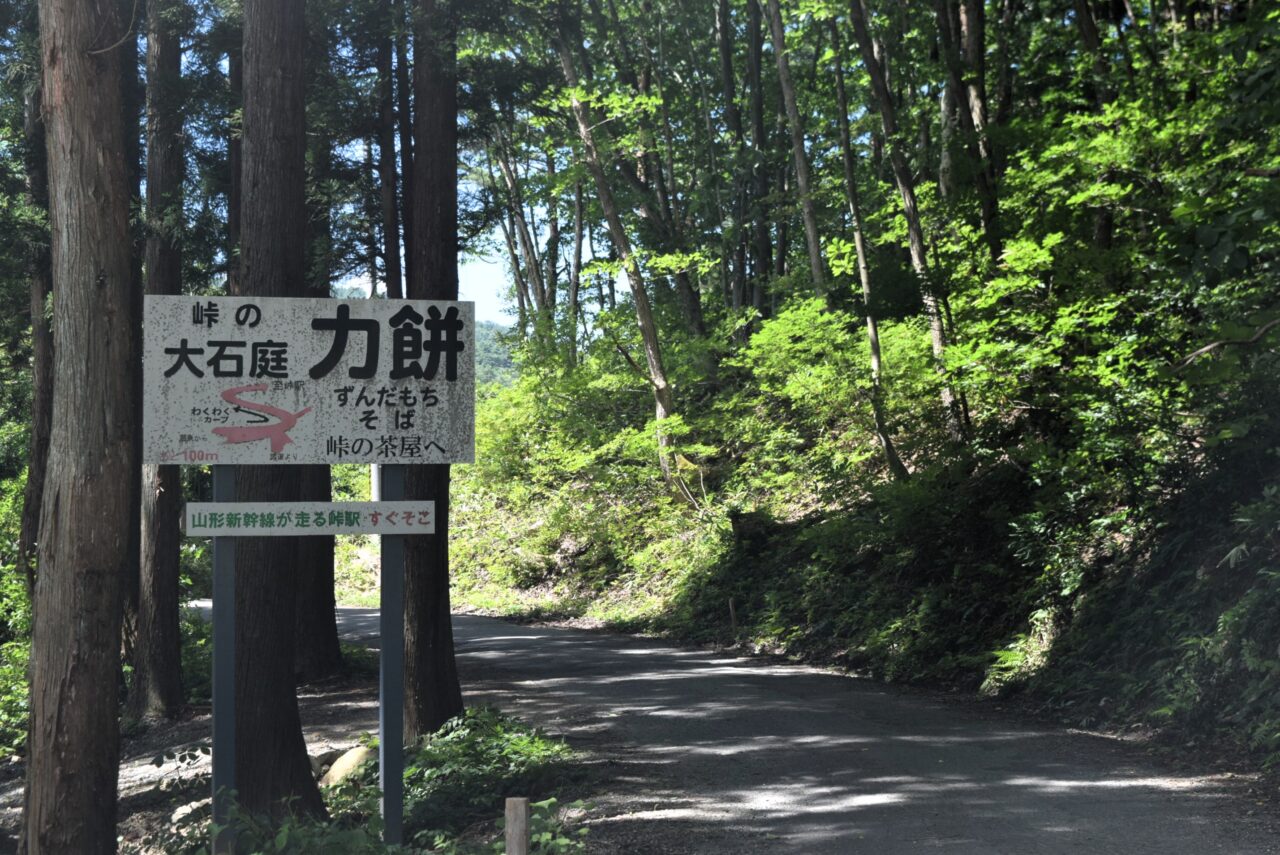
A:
[391,680]
[224,666]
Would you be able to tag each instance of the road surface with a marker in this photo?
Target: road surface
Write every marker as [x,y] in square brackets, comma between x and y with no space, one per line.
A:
[703,752]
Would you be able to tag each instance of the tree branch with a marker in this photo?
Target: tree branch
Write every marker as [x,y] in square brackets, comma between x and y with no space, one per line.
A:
[1259,333]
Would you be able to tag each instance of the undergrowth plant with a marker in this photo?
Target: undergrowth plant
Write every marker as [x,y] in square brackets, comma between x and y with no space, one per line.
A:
[455,782]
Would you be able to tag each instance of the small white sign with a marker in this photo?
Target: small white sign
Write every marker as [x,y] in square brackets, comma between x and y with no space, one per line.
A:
[300,519]
[251,380]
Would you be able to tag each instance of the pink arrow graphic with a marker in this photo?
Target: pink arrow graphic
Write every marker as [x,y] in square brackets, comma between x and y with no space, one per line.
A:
[278,433]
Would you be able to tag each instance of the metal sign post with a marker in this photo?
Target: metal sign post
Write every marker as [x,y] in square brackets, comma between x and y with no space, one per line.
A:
[224,668]
[391,670]
[226,519]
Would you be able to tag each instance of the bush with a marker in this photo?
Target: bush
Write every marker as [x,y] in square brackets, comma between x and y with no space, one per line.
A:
[13,697]
[461,774]
[455,780]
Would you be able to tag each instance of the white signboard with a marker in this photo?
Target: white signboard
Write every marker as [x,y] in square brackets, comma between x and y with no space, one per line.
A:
[245,380]
[293,519]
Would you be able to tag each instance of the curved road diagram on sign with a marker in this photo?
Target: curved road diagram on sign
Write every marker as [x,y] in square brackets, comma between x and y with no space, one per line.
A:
[278,432]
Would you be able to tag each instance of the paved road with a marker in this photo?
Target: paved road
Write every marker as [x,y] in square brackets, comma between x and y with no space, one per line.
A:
[708,753]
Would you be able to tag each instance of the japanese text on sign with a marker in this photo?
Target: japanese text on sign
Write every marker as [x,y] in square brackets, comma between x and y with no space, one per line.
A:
[292,519]
[239,380]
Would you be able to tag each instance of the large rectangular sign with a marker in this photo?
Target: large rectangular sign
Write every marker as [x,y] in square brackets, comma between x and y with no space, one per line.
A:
[245,380]
[293,519]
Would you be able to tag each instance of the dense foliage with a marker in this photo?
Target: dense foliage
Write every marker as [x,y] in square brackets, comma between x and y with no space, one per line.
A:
[1102,530]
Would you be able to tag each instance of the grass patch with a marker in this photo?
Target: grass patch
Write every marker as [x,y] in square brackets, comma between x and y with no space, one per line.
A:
[13,697]
[455,782]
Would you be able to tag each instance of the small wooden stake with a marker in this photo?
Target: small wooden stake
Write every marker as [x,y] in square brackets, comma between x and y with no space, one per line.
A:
[517,827]
[733,617]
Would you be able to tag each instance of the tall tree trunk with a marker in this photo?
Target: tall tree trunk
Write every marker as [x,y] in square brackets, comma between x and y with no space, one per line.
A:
[891,458]
[807,212]
[969,101]
[404,124]
[575,272]
[1100,91]
[553,236]
[371,211]
[973,41]
[317,652]
[156,691]
[947,141]
[686,288]
[733,118]
[235,164]
[524,235]
[91,487]
[387,160]
[915,233]
[432,692]
[41,346]
[761,246]
[782,225]
[524,302]
[1092,41]
[1007,68]
[654,179]
[271,757]
[133,97]
[663,398]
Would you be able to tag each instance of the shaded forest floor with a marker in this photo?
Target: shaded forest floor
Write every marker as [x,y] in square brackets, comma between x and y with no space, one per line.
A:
[334,713]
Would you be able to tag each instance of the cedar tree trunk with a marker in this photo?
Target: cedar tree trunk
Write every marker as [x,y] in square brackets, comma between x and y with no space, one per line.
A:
[387,159]
[156,691]
[317,652]
[432,692]
[90,491]
[271,757]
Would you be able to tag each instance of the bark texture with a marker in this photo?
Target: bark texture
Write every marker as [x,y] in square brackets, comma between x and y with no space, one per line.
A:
[387,160]
[93,465]
[796,126]
[404,125]
[271,757]
[737,296]
[317,652]
[958,27]
[761,246]
[156,691]
[235,165]
[432,692]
